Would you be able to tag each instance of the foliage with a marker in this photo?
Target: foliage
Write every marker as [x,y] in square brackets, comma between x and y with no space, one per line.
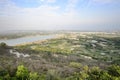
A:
[114,70]
[22,72]
[75,64]
[97,74]
[94,73]
[33,76]
[52,75]
[3,45]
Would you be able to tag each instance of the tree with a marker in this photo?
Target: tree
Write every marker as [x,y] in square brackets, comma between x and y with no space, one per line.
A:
[22,73]
[3,45]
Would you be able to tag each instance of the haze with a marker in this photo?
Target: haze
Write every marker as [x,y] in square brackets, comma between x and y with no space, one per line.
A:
[93,15]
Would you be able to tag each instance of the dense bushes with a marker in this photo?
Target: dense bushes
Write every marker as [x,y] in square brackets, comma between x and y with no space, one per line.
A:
[94,73]
[22,73]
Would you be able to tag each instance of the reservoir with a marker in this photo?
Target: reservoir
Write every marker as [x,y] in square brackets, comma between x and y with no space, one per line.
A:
[13,42]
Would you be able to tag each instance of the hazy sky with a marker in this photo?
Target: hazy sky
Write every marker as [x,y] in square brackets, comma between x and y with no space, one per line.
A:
[59,14]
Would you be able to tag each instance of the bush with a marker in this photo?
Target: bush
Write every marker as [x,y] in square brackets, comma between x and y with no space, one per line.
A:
[33,76]
[114,70]
[97,74]
[75,64]
[3,45]
[22,73]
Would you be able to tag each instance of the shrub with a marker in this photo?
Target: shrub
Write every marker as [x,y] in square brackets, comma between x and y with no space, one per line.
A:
[114,70]
[75,64]
[22,72]
[3,45]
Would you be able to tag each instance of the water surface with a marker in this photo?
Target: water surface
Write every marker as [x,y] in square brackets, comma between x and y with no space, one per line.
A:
[13,42]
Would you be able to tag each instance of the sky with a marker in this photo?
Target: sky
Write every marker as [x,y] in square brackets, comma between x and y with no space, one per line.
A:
[93,15]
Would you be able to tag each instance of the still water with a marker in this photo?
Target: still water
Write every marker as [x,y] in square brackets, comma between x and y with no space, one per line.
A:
[13,42]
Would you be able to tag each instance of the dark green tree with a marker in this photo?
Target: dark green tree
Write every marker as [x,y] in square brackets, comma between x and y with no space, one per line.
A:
[3,45]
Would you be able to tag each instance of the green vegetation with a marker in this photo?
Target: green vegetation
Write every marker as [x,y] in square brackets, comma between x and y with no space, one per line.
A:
[75,64]
[95,47]
[73,56]
[3,45]
[95,73]
[56,46]
[22,73]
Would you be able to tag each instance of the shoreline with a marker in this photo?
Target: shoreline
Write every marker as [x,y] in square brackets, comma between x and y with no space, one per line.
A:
[40,41]
[23,37]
